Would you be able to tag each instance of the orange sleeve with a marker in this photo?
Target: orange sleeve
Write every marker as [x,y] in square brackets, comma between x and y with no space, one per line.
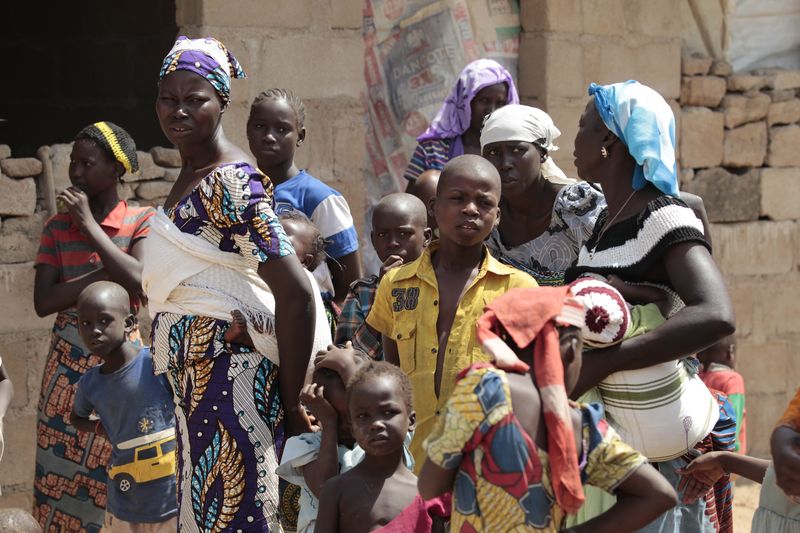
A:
[791,417]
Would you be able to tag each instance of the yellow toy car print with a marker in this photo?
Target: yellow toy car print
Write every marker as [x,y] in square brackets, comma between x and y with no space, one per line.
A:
[154,458]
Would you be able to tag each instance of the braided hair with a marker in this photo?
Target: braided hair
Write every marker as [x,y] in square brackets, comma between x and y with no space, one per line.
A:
[294,102]
[115,141]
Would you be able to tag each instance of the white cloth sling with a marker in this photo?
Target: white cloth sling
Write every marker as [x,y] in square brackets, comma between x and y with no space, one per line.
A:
[187,275]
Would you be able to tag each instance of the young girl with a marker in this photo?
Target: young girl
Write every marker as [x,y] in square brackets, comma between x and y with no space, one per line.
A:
[512,449]
[275,129]
[483,86]
[380,494]
[779,504]
[98,238]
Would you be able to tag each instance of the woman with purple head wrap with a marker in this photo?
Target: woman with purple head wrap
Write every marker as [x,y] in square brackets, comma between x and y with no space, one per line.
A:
[483,86]
[233,407]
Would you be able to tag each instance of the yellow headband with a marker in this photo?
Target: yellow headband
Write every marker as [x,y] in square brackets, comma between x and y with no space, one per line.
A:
[119,154]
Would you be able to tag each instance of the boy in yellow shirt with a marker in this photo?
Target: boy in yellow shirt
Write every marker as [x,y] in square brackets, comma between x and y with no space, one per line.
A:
[426,310]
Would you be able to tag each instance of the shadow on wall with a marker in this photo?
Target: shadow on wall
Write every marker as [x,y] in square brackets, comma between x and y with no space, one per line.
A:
[75,63]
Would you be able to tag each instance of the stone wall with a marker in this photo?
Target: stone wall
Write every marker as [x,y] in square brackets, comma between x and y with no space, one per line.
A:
[739,144]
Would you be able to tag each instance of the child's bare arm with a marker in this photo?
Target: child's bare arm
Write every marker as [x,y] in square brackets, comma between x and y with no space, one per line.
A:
[51,295]
[434,480]
[83,423]
[641,498]
[326,465]
[704,471]
[6,391]
[328,514]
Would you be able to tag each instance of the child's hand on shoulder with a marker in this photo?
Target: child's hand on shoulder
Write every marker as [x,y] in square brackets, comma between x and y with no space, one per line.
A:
[312,397]
[785,444]
[393,261]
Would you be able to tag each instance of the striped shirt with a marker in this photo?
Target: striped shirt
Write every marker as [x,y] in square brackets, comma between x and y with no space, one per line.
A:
[67,249]
[329,212]
[429,154]
[352,323]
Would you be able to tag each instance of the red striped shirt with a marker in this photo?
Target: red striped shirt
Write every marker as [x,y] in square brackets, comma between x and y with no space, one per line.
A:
[66,248]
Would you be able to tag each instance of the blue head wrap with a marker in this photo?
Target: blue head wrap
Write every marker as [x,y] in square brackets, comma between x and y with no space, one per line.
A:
[644,122]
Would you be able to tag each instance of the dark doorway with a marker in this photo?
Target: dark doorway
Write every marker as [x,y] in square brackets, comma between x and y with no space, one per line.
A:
[69,64]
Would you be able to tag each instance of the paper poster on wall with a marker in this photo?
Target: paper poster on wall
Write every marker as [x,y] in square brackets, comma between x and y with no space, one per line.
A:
[414,51]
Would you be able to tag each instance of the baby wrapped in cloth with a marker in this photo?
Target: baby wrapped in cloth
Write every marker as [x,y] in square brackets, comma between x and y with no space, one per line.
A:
[662,410]
[187,275]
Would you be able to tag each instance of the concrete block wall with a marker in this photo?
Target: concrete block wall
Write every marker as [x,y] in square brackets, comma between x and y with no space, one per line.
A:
[739,134]
[313,48]
[567,44]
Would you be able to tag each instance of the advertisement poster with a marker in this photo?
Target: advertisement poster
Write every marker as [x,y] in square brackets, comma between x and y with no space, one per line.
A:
[414,51]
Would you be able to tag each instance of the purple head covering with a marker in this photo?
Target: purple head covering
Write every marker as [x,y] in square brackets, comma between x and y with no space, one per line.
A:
[454,116]
[207,57]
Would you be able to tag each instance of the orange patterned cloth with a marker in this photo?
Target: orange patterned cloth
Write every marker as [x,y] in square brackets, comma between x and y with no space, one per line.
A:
[791,417]
[532,314]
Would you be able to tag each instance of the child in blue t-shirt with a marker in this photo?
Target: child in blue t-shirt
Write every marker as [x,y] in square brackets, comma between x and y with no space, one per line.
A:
[275,128]
[135,410]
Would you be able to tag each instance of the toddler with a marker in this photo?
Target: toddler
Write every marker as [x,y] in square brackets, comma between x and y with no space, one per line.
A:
[380,493]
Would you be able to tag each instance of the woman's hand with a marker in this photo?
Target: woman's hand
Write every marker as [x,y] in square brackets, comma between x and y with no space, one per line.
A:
[77,203]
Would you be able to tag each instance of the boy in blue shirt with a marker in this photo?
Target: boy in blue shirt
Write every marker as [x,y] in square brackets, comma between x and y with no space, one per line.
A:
[135,410]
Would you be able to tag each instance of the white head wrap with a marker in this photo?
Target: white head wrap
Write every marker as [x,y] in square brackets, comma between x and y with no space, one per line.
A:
[516,122]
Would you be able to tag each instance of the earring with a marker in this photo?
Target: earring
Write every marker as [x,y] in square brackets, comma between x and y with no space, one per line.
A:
[543,158]
[603,152]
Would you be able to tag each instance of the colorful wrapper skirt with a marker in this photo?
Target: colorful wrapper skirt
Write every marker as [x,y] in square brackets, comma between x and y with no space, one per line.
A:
[229,422]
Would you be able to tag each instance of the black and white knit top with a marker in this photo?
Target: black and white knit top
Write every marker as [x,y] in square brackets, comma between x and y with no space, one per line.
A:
[632,247]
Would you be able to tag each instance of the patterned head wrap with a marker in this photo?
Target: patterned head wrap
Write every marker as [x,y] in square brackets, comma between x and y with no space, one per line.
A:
[528,315]
[115,141]
[644,122]
[516,122]
[607,318]
[455,115]
[207,57]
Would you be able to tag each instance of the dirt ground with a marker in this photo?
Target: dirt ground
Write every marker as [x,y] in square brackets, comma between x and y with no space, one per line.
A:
[745,502]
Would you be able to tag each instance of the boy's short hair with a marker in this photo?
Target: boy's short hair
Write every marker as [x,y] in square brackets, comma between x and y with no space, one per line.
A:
[375,369]
[318,242]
